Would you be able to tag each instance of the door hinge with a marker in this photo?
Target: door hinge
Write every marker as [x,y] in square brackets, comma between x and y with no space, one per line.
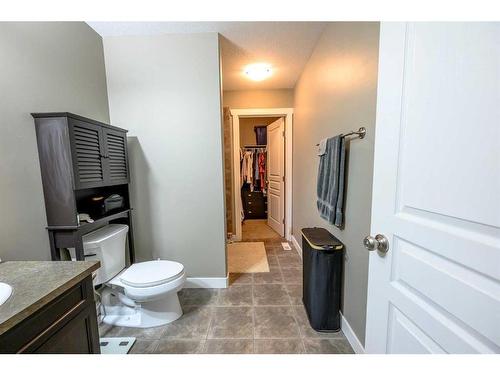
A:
[283,134]
[283,178]
[283,221]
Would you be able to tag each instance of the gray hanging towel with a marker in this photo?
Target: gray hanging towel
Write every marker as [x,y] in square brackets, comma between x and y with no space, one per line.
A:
[330,188]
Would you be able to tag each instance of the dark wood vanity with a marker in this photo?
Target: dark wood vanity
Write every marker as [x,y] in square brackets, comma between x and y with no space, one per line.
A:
[51,310]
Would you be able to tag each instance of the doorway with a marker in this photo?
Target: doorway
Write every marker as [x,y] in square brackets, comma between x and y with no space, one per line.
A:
[262,206]
[261,171]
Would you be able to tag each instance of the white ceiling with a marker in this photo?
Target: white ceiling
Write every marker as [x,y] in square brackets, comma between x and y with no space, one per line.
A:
[285,45]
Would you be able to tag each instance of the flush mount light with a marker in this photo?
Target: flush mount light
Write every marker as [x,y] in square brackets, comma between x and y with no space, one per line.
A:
[258,72]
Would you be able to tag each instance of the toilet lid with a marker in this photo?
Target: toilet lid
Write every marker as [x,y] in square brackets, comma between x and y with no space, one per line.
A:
[151,273]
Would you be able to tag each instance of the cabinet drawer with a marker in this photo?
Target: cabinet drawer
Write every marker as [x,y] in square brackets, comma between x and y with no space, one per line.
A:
[44,326]
[250,214]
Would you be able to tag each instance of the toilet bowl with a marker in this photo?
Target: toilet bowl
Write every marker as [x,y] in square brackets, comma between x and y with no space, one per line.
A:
[143,295]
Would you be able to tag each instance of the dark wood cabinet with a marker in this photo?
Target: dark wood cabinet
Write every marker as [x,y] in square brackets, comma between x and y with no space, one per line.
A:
[88,153]
[99,154]
[67,325]
[254,204]
[80,158]
[116,157]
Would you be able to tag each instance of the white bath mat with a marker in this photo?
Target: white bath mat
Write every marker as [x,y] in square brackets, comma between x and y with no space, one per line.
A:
[116,345]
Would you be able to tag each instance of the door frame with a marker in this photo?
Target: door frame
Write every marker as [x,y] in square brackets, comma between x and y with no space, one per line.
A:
[287,114]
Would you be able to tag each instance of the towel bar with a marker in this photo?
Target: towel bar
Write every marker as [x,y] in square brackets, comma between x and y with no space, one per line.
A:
[360,133]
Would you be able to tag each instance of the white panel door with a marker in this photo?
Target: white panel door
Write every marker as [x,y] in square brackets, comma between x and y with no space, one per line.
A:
[436,191]
[275,176]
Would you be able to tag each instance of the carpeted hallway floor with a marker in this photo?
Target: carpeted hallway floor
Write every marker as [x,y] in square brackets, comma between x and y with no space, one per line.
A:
[252,230]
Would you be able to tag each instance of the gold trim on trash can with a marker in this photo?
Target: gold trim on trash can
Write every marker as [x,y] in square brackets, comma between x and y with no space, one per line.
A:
[338,247]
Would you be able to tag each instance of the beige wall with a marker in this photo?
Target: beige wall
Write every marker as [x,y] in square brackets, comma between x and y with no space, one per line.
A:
[337,93]
[247,132]
[165,90]
[45,67]
[259,98]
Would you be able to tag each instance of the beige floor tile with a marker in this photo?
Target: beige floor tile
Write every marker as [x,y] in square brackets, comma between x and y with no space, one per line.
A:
[228,346]
[295,293]
[270,294]
[327,346]
[176,346]
[275,322]
[198,296]
[290,261]
[231,322]
[144,346]
[292,275]
[240,279]
[193,324]
[236,295]
[272,277]
[278,346]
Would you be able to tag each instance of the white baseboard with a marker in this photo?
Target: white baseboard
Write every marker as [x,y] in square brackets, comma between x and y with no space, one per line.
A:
[296,245]
[351,336]
[207,282]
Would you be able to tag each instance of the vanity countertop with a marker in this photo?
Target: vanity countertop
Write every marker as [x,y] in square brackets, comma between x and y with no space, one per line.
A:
[36,283]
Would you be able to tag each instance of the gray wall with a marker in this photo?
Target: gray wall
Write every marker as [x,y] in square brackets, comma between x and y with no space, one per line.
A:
[165,90]
[48,66]
[335,94]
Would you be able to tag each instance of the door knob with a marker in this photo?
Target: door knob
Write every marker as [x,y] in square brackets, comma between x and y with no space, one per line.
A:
[379,243]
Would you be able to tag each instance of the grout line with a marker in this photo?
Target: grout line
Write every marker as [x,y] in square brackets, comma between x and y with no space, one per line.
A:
[156,345]
[253,317]
[212,313]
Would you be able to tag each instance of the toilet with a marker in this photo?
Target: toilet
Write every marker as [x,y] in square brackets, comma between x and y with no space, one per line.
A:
[143,295]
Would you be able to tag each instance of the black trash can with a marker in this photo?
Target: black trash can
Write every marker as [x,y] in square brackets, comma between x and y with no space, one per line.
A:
[323,256]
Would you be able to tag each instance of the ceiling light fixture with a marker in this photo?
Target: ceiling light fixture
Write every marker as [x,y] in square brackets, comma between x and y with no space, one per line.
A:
[258,72]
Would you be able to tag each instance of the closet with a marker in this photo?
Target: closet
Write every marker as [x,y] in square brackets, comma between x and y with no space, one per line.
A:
[254,176]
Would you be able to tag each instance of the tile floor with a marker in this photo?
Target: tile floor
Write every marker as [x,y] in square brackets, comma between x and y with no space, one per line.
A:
[258,313]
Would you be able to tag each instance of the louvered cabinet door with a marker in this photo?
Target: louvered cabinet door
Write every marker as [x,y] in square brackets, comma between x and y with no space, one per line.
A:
[116,167]
[87,152]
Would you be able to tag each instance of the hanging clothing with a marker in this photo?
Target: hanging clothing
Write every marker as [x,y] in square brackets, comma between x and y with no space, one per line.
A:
[256,165]
[247,169]
[253,169]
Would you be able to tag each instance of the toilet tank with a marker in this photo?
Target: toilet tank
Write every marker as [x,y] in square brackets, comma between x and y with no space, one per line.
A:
[106,244]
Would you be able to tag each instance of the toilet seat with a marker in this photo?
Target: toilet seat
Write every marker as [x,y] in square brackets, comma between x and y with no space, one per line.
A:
[150,274]
[149,281]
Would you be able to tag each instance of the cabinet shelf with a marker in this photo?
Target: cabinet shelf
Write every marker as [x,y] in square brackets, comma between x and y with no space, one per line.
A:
[88,227]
